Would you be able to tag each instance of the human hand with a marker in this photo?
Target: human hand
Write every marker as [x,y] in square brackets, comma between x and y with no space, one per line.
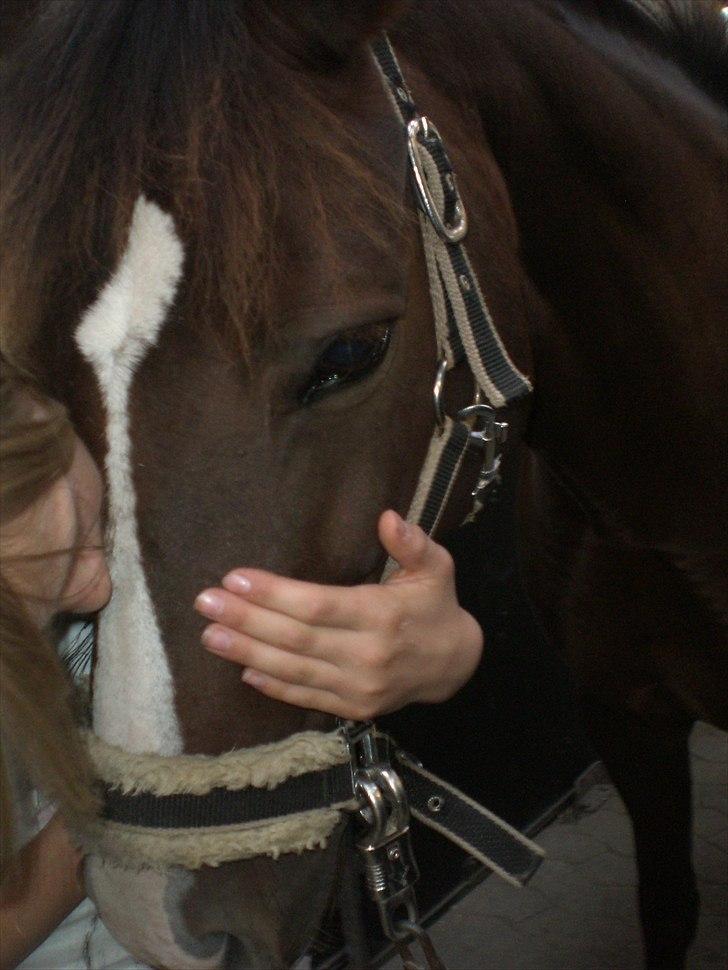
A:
[356,652]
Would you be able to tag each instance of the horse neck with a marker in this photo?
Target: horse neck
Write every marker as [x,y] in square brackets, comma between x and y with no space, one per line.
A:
[612,158]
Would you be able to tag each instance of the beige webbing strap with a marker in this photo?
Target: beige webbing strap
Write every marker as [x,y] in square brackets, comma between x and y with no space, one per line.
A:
[444,457]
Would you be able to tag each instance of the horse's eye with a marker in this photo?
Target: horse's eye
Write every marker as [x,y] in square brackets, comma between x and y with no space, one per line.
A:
[348,358]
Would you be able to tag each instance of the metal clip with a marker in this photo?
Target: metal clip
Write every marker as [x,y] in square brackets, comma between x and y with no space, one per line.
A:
[389,864]
[488,438]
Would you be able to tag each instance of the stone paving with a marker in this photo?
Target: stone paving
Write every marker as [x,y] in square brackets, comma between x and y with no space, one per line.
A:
[579,911]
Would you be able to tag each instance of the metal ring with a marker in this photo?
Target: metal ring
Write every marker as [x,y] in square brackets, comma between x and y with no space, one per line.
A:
[438,390]
[435,803]
[372,807]
[391,787]
[449,232]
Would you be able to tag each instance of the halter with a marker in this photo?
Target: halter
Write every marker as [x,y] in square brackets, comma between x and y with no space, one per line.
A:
[464,328]
[194,810]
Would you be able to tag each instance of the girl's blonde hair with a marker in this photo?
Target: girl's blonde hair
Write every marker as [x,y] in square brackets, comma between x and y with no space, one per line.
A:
[38,726]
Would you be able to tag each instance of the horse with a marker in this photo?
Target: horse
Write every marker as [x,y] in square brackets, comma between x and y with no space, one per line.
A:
[206,209]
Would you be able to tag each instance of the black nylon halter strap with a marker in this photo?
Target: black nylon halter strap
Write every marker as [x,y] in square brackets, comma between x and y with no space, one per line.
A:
[464,328]
[470,331]
[455,440]
[225,806]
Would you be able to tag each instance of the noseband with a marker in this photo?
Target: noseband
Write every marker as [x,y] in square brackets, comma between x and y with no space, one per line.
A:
[194,810]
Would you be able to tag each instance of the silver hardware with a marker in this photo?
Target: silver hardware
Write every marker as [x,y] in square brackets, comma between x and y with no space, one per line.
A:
[464,283]
[435,803]
[361,741]
[450,181]
[402,94]
[372,807]
[492,429]
[488,438]
[389,863]
[437,392]
[450,232]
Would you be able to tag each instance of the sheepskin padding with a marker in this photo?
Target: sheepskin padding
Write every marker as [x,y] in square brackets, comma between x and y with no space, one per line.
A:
[264,766]
[137,848]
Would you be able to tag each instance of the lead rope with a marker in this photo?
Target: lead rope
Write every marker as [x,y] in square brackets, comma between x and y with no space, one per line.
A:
[464,331]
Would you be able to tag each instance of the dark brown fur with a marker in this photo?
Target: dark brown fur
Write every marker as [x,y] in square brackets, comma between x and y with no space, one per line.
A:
[593,167]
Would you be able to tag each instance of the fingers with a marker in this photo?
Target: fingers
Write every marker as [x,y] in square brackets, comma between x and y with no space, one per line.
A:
[245,618]
[306,697]
[412,548]
[308,603]
[303,681]
[300,681]
[270,660]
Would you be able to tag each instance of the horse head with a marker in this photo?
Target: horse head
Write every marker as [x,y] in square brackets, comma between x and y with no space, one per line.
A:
[241,325]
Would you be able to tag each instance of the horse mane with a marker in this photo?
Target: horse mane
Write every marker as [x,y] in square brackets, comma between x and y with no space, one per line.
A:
[204,107]
[694,36]
[208,107]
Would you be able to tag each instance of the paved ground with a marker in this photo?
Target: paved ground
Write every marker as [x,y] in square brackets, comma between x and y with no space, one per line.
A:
[579,911]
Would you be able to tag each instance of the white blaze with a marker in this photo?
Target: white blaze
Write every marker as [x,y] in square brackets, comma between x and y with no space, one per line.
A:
[133,690]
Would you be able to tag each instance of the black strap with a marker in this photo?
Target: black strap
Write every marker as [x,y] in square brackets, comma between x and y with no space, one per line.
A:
[432,801]
[223,806]
[390,69]
[460,819]
[444,476]
[494,360]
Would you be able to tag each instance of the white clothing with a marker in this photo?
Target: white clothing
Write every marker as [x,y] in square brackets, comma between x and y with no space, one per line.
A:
[81,942]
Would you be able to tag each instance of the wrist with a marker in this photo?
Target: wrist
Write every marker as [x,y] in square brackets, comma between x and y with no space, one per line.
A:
[459,662]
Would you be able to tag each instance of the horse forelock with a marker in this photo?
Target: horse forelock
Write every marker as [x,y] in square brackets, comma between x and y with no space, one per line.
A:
[198,107]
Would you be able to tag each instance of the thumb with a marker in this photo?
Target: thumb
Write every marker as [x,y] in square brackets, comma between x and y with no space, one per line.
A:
[409,546]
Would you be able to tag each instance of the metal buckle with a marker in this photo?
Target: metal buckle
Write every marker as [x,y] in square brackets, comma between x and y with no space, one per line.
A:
[450,232]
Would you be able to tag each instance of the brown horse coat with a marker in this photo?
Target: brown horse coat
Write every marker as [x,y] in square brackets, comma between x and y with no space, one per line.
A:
[590,151]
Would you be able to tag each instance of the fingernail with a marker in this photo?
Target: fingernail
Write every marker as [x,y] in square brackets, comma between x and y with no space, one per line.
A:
[216,639]
[209,603]
[251,677]
[237,583]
